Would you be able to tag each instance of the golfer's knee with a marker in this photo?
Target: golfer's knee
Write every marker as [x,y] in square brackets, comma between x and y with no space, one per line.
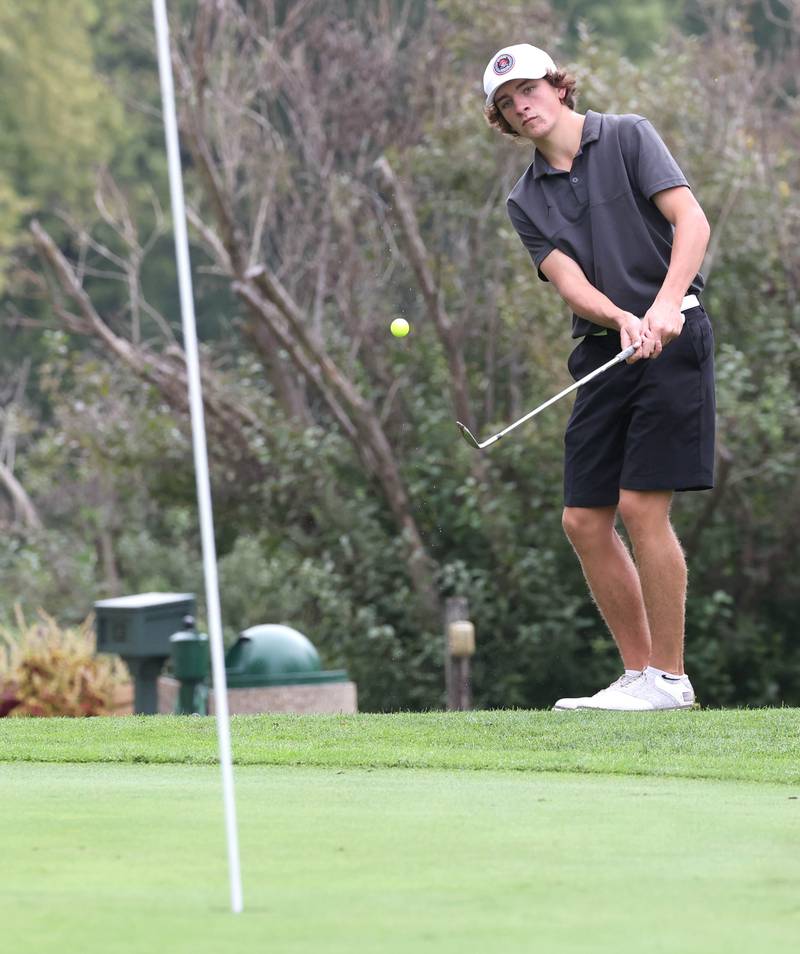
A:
[644,511]
[587,527]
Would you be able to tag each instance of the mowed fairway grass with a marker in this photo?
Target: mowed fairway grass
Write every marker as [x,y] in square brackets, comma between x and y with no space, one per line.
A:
[488,831]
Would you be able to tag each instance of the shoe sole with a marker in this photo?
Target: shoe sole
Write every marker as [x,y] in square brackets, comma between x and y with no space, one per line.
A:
[694,706]
[689,708]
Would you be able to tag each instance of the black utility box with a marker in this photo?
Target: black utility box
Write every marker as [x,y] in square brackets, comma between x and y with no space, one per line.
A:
[141,625]
[138,628]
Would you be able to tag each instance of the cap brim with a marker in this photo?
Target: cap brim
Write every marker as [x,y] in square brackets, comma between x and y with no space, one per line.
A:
[508,79]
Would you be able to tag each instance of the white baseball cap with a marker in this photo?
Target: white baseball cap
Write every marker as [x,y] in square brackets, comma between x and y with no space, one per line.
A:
[521,61]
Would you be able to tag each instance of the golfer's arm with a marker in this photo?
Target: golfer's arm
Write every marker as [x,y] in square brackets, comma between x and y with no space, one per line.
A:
[689,243]
[579,293]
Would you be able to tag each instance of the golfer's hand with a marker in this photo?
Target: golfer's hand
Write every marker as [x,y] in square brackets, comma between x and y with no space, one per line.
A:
[630,333]
[662,324]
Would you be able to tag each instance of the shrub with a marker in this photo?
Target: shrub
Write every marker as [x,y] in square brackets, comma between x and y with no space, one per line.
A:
[47,670]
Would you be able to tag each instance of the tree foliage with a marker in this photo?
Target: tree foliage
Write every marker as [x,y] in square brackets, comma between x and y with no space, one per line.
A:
[58,123]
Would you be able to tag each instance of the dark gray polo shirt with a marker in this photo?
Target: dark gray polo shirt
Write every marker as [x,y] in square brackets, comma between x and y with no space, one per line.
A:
[600,213]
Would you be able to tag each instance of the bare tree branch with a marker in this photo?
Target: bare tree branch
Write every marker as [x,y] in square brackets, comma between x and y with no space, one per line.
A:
[230,420]
[23,505]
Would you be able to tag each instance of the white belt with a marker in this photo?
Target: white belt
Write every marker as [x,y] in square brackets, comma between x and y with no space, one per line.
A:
[689,302]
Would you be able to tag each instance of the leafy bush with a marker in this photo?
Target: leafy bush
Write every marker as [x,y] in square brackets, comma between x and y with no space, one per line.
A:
[49,671]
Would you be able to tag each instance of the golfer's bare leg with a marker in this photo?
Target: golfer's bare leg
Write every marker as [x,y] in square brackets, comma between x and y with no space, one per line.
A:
[662,572]
[612,578]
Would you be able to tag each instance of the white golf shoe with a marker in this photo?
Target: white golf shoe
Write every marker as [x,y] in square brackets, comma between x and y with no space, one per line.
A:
[581,702]
[648,691]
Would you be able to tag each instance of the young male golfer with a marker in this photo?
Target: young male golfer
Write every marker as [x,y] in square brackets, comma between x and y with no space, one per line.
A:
[608,218]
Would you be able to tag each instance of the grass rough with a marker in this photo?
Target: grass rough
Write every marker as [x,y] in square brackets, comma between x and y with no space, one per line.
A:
[760,745]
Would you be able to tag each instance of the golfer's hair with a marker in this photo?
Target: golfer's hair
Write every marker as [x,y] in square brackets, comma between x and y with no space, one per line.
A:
[561,79]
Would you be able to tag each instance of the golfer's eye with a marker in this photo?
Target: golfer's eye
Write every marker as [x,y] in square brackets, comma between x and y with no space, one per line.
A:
[529,89]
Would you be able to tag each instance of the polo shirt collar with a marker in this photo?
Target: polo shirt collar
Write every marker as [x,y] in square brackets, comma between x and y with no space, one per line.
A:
[590,133]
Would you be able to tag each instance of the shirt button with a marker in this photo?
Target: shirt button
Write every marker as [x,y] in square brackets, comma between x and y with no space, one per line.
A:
[575,179]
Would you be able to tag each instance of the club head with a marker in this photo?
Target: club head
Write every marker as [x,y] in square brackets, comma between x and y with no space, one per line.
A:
[467,434]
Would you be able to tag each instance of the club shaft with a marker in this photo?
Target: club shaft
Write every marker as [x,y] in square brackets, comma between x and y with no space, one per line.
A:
[622,356]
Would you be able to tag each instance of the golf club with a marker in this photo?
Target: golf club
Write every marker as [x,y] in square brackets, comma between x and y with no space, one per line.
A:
[470,438]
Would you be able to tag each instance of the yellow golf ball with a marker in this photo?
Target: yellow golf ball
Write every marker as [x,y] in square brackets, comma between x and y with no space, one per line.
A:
[400,327]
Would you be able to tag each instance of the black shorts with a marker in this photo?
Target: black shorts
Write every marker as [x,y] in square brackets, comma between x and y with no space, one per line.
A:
[642,426]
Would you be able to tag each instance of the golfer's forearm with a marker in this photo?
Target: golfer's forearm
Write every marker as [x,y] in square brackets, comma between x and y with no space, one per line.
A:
[579,293]
[588,302]
[689,245]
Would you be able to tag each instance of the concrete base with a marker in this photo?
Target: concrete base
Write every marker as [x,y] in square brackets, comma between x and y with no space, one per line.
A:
[309,698]
[122,701]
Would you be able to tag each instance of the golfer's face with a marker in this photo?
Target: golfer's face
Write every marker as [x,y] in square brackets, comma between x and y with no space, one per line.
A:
[530,106]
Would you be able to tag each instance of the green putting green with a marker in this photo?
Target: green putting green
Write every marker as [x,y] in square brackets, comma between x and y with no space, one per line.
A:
[119,855]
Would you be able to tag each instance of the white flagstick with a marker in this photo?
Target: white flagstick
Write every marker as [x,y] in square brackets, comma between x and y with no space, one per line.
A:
[200,452]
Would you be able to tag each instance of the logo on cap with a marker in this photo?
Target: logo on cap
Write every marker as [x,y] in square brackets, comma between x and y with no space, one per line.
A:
[503,63]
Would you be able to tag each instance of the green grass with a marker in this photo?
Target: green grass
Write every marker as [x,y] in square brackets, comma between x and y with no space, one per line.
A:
[406,833]
[759,745]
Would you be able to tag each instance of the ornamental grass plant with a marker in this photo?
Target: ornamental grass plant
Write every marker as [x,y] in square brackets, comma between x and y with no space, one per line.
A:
[50,670]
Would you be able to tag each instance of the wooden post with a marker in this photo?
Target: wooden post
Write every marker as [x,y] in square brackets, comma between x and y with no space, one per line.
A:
[459,646]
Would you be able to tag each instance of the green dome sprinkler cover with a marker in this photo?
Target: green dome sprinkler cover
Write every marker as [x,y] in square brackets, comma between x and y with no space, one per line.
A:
[275,655]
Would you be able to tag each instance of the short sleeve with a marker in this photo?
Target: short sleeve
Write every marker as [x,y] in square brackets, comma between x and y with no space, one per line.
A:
[652,165]
[537,245]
